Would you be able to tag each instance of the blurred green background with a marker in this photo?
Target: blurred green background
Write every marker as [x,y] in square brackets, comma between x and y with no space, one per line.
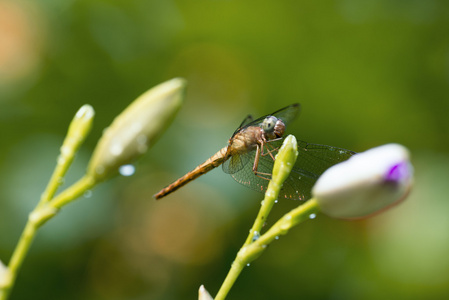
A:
[366,73]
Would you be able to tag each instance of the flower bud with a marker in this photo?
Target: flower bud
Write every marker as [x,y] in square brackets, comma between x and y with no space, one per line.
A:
[81,124]
[285,159]
[203,294]
[136,128]
[4,276]
[366,183]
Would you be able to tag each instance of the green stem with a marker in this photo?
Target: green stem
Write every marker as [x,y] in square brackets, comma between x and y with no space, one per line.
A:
[250,252]
[230,279]
[265,209]
[42,213]
[78,130]
[36,219]
[73,192]
[281,227]
[285,159]
[64,161]
[241,260]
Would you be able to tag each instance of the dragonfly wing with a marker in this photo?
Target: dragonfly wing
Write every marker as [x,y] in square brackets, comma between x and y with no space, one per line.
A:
[318,158]
[312,161]
[248,120]
[286,114]
[246,175]
[237,162]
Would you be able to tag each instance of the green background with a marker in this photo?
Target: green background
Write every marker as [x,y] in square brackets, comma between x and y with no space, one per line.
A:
[366,72]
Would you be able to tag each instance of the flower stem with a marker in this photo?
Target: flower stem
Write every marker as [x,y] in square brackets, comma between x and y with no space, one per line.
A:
[42,213]
[285,159]
[250,252]
[283,225]
[73,192]
[78,130]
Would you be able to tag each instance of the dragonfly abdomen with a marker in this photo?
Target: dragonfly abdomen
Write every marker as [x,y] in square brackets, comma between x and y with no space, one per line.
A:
[213,162]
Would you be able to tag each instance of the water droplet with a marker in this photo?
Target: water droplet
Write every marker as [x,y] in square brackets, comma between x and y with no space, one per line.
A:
[99,169]
[247,265]
[270,193]
[285,226]
[276,201]
[276,237]
[61,160]
[135,128]
[141,139]
[127,170]
[142,148]
[312,216]
[116,149]
[256,236]
[264,246]
[263,201]
[66,151]
[88,194]
[142,145]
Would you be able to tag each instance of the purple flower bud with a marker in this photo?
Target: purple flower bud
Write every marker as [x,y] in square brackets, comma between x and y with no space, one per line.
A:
[367,183]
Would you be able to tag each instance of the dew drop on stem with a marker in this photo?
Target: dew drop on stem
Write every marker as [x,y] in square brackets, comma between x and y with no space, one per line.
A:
[88,194]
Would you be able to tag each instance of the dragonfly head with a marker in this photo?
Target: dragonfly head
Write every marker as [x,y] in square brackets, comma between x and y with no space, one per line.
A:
[273,127]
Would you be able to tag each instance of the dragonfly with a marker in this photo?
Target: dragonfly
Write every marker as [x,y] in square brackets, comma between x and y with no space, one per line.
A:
[250,155]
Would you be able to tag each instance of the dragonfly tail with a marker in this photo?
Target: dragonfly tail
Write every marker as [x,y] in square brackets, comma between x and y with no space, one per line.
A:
[213,162]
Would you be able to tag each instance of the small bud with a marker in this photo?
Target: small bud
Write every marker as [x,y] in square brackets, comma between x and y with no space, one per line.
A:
[78,130]
[81,123]
[136,128]
[203,294]
[4,276]
[367,183]
[285,159]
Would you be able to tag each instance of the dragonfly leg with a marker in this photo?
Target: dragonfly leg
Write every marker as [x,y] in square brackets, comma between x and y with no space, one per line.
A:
[261,175]
[269,151]
[266,176]
[256,159]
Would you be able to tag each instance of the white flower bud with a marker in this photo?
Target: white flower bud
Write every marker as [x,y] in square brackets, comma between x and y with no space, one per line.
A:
[203,294]
[366,183]
[136,128]
[4,276]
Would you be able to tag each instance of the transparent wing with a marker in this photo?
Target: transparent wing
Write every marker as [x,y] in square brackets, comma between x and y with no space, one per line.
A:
[286,114]
[247,120]
[246,175]
[237,162]
[312,161]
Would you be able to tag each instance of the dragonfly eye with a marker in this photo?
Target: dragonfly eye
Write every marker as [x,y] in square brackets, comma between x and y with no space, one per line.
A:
[269,123]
